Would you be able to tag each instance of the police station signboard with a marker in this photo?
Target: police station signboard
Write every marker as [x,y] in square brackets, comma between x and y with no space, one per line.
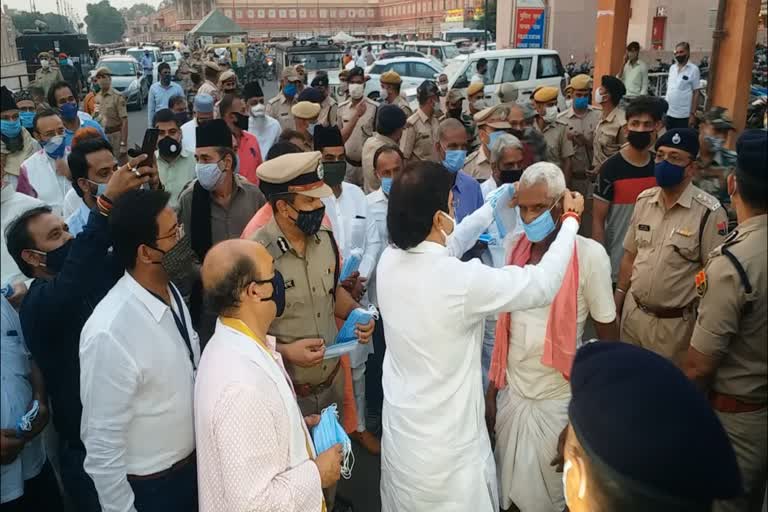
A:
[529,26]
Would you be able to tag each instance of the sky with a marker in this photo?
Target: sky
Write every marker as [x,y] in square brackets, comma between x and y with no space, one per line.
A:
[77,5]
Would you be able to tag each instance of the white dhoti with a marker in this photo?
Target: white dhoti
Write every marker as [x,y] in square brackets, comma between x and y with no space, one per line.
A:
[526,442]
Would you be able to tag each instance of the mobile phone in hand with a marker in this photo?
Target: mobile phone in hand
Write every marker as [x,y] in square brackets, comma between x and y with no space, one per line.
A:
[149,145]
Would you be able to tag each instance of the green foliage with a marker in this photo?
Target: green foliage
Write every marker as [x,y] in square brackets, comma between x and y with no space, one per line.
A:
[105,23]
[24,20]
[480,23]
[136,11]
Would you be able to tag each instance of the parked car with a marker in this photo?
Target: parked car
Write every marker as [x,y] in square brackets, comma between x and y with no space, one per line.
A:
[154,53]
[441,50]
[172,57]
[127,78]
[412,71]
[528,69]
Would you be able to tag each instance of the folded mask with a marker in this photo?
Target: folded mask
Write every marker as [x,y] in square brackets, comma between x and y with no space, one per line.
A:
[504,216]
[25,422]
[357,316]
[351,264]
[330,432]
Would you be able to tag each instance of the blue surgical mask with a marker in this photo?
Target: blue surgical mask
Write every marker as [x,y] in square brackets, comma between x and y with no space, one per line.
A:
[580,103]
[311,128]
[55,147]
[454,159]
[492,137]
[667,174]
[26,119]
[290,90]
[100,187]
[10,129]
[541,227]
[386,185]
[209,175]
[68,111]
[329,432]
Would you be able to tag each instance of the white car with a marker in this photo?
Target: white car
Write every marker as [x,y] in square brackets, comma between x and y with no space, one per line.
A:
[172,57]
[526,68]
[127,78]
[441,50]
[412,70]
[154,54]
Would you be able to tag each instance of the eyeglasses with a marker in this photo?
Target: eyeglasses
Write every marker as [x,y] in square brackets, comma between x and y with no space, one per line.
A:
[673,158]
[177,231]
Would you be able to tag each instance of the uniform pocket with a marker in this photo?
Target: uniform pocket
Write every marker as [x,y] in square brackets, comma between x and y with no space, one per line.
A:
[685,247]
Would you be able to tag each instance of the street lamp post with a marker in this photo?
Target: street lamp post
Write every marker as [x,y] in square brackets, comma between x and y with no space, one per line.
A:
[485,26]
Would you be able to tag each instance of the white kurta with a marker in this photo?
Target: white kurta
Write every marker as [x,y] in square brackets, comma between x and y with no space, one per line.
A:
[533,409]
[436,454]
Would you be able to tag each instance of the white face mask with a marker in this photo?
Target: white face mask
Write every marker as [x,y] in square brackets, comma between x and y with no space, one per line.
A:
[356,91]
[582,485]
[568,103]
[448,236]
[258,111]
[44,63]
[599,98]
[478,104]
[550,114]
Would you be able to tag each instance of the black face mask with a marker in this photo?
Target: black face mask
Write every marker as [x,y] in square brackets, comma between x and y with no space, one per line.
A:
[242,121]
[178,261]
[334,172]
[309,222]
[455,113]
[54,260]
[517,133]
[165,79]
[681,58]
[639,140]
[181,117]
[169,147]
[510,175]
[278,292]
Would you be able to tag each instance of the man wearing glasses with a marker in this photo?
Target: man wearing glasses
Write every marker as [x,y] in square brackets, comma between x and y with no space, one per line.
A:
[672,231]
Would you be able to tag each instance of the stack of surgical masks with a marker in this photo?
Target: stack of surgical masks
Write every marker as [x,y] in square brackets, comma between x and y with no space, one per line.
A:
[346,339]
[330,432]
[351,264]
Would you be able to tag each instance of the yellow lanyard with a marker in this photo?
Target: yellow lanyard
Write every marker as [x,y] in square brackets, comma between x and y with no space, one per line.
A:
[241,327]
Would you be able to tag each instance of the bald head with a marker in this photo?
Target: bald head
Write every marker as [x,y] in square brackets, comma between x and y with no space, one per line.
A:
[229,269]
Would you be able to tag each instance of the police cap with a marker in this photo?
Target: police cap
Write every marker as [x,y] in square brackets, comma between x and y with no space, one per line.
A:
[293,173]
[685,139]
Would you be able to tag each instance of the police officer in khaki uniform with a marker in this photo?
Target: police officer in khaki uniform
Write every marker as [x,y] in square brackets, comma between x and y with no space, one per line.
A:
[356,116]
[390,123]
[390,88]
[582,120]
[305,116]
[279,107]
[475,98]
[559,146]
[673,229]
[111,113]
[609,133]
[421,129]
[47,75]
[454,107]
[488,121]
[728,355]
[329,108]
[306,254]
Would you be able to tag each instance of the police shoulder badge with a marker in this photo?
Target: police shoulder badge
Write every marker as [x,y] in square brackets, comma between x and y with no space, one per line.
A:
[701,283]
[722,228]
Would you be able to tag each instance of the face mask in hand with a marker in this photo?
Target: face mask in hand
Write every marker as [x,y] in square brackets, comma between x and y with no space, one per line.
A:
[668,175]
[334,172]
[309,221]
[454,159]
[356,91]
[209,175]
[54,260]
[329,432]
[54,147]
[541,227]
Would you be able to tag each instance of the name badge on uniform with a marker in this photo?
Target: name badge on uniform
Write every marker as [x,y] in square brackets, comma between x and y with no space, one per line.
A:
[644,227]
[683,232]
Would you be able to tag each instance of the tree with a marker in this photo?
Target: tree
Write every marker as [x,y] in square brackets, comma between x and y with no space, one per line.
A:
[136,11]
[480,22]
[105,23]
[24,20]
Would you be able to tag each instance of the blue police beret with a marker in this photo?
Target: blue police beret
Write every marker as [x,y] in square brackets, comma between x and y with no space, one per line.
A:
[311,94]
[680,138]
[637,416]
[751,149]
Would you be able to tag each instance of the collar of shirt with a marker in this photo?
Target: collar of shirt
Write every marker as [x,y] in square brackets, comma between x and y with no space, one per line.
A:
[481,158]
[461,183]
[385,139]
[423,116]
[378,196]
[155,307]
[427,247]
[270,344]
[684,200]
[753,224]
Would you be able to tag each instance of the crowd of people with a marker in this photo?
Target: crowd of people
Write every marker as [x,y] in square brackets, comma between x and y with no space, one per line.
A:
[547,308]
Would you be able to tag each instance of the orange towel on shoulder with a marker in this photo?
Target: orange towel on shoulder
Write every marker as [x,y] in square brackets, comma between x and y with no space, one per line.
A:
[560,337]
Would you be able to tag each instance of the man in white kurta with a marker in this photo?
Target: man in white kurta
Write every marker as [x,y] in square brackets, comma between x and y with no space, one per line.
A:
[436,453]
[254,450]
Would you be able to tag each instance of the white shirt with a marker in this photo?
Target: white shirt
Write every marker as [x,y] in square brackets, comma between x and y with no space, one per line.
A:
[136,386]
[434,307]
[72,203]
[353,227]
[680,86]
[525,373]
[189,136]
[50,186]
[266,133]
[12,204]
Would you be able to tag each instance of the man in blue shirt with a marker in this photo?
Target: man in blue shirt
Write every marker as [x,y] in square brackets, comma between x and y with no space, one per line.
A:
[160,93]
[61,97]
[452,149]
[146,65]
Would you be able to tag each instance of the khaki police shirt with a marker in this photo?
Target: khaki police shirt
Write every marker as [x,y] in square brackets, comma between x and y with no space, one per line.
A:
[667,246]
[559,146]
[210,88]
[111,110]
[726,326]
[586,126]
[403,104]
[329,110]
[477,165]
[371,182]
[609,137]
[309,295]
[363,129]
[419,137]
[280,108]
[45,78]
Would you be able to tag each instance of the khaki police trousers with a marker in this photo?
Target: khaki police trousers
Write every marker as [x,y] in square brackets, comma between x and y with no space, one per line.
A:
[668,337]
[748,432]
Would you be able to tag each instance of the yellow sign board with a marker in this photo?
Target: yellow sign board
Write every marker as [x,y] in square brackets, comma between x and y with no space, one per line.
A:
[454,15]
